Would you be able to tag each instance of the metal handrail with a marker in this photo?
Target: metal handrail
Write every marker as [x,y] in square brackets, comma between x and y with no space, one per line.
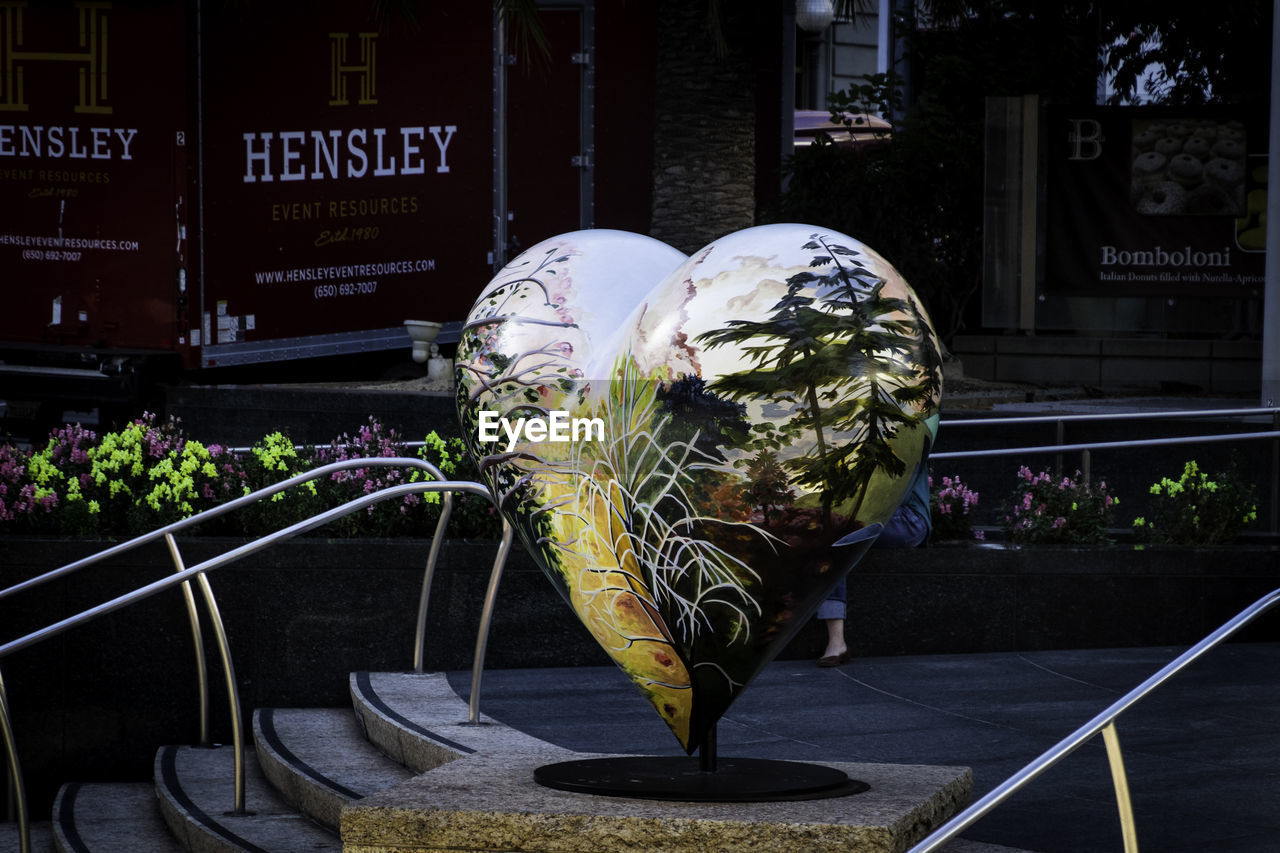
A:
[224,508]
[166,532]
[1061,420]
[1104,723]
[183,575]
[1112,416]
[1086,449]
[1104,445]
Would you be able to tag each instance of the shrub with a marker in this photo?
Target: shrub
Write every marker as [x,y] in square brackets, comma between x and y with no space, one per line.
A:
[405,517]
[949,507]
[149,474]
[1197,510]
[1043,510]
[22,502]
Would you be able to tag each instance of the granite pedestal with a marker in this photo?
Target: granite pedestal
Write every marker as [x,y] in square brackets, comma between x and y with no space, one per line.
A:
[490,802]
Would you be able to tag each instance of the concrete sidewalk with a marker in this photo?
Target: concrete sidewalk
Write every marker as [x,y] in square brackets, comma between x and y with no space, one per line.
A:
[1202,753]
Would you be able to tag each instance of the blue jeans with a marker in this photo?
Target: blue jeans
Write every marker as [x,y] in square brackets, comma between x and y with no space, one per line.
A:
[906,529]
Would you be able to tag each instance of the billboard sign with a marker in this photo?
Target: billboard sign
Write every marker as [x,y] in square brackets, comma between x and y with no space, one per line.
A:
[347,172]
[1154,202]
[93,149]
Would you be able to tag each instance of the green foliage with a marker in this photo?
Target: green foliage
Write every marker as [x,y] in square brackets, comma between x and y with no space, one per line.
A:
[1187,52]
[768,486]
[916,200]
[150,474]
[642,474]
[1197,510]
[833,332]
[919,200]
[1044,510]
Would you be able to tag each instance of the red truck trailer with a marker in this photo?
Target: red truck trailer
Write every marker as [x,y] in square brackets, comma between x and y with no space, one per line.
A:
[195,185]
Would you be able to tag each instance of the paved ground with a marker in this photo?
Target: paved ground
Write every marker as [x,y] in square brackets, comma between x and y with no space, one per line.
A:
[1203,753]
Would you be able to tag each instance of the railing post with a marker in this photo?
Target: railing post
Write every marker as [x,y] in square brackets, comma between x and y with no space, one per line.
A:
[486,616]
[428,576]
[193,615]
[1275,474]
[1086,463]
[233,691]
[997,795]
[1060,432]
[1120,781]
[17,791]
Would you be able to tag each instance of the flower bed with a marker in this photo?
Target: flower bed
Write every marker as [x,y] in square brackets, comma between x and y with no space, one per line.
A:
[151,473]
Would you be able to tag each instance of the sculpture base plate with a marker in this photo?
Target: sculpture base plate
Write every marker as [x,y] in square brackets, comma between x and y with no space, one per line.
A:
[677,778]
[488,800]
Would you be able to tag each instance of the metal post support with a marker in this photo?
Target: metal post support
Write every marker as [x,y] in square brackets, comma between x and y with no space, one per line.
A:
[1071,742]
[707,752]
[1120,781]
[420,635]
[233,691]
[1275,472]
[17,791]
[193,615]
[1060,432]
[486,616]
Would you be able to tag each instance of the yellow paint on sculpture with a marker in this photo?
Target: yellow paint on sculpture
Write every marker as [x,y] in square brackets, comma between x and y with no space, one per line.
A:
[607,591]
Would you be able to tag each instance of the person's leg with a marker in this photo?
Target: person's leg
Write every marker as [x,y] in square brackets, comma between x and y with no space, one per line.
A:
[836,646]
[832,613]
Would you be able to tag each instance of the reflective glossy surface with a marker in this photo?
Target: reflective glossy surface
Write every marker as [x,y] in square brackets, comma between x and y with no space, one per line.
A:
[696,449]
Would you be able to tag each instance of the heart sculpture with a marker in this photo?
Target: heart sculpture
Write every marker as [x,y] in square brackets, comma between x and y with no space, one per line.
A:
[695,450]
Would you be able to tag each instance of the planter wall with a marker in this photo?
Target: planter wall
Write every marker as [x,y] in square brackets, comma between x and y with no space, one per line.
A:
[95,702]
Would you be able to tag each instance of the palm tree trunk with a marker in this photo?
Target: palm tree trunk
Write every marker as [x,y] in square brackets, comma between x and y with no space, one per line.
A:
[704,147]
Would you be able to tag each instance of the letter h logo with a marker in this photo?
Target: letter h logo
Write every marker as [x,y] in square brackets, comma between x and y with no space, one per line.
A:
[15,57]
[339,69]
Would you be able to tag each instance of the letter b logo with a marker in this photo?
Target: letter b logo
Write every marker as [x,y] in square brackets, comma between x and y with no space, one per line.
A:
[1086,139]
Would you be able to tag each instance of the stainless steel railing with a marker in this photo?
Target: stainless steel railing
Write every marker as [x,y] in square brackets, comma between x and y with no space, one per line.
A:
[166,532]
[1103,723]
[183,575]
[1085,450]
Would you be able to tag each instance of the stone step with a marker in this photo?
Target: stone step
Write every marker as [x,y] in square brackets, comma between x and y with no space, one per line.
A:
[110,817]
[319,760]
[196,790]
[419,721]
[41,837]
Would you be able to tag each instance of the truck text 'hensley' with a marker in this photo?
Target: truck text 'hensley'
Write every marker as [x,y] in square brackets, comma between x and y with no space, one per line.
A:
[335,154]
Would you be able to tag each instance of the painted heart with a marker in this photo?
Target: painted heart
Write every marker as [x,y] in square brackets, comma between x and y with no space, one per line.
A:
[695,450]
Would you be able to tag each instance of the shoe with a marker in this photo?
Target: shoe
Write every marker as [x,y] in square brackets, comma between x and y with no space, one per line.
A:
[835,660]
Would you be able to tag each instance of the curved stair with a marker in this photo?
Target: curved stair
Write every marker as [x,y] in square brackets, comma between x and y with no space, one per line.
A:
[197,798]
[110,818]
[318,759]
[418,720]
[41,837]
[305,767]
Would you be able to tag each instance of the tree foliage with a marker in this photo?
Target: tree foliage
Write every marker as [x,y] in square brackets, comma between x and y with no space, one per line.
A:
[836,353]
[919,200]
